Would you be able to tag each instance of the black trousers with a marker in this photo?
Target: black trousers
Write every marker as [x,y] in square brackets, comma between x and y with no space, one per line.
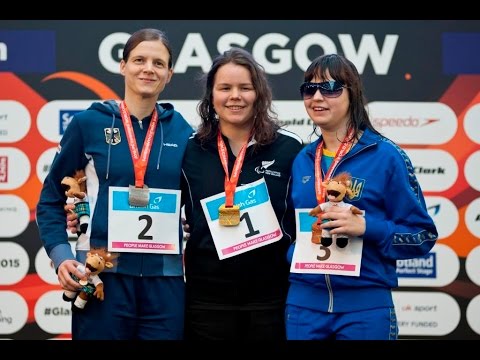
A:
[220,324]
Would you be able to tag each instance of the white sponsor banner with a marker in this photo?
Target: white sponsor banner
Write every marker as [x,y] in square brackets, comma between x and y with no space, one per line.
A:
[426,313]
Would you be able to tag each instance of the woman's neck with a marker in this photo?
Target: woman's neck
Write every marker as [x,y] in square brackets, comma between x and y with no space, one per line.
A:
[237,136]
[332,140]
[140,108]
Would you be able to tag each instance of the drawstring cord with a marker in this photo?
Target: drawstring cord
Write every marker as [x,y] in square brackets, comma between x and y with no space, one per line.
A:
[110,146]
[161,145]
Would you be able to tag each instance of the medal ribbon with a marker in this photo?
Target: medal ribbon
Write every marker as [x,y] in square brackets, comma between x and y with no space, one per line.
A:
[230,183]
[139,161]
[344,147]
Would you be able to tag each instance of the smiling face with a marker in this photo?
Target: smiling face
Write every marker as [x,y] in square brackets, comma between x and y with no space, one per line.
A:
[328,113]
[146,70]
[233,96]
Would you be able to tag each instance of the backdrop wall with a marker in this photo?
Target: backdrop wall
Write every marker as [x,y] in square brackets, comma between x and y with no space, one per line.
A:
[422,81]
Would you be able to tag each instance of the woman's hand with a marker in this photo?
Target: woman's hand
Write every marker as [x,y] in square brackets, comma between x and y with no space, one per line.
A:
[343,221]
[186,229]
[72,220]
[65,279]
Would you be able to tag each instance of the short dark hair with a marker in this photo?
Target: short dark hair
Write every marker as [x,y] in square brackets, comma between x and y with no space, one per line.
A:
[147,35]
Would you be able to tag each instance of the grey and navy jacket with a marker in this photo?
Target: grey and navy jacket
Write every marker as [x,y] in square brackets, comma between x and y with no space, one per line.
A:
[254,279]
[86,145]
[398,225]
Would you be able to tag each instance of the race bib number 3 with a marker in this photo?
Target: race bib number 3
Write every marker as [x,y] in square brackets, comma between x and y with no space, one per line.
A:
[153,228]
[314,258]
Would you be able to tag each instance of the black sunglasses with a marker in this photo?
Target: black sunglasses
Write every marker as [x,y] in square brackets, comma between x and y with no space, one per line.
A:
[329,89]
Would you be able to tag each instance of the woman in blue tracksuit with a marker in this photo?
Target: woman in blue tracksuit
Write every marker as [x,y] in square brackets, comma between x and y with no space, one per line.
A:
[144,293]
[395,224]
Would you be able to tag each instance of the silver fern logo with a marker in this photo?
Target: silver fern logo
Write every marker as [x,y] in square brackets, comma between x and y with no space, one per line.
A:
[264,169]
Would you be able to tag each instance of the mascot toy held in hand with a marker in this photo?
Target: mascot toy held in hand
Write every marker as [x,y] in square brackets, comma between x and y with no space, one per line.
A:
[97,261]
[76,188]
[336,188]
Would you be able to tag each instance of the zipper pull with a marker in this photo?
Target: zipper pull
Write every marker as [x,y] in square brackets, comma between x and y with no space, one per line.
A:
[140,123]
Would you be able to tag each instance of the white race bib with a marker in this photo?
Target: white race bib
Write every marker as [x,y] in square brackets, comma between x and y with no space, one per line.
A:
[150,229]
[258,224]
[313,258]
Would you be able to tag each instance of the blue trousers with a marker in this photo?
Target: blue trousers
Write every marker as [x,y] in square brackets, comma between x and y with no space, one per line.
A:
[134,308]
[372,324]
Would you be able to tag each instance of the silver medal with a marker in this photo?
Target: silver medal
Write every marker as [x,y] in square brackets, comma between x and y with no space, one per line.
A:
[138,196]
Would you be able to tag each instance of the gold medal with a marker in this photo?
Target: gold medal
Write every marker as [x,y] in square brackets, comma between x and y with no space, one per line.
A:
[229,216]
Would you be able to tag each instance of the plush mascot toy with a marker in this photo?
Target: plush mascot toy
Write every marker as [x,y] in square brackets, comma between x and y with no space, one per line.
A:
[76,188]
[336,188]
[97,260]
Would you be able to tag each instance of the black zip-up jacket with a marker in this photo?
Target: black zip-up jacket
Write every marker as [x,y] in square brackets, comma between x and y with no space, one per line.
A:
[255,279]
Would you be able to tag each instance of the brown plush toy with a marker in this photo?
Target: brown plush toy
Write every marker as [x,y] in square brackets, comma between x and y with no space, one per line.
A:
[97,261]
[76,188]
[336,188]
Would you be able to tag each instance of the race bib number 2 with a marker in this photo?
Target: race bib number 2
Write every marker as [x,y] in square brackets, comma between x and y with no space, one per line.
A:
[153,228]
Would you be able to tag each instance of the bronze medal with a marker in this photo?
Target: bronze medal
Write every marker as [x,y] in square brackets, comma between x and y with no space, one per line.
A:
[316,232]
[229,216]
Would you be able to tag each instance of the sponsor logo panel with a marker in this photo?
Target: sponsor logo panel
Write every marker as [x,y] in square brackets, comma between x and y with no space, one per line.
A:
[426,313]
[14,263]
[293,117]
[44,163]
[444,213]
[414,122]
[439,267]
[456,46]
[436,170]
[471,170]
[471,125]
[4,169]
[28,51]
[13,312]
[473,314]
[15,215]
[54,117]
[52,313]
[65,117]
[15,121]
[472,217]
[14,168]
[472,265]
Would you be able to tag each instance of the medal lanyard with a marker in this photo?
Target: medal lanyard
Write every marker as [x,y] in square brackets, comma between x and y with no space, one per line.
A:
[344,147]
[230,183]
[139,161]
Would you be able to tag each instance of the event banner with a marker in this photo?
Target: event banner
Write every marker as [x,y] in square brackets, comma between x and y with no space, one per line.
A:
[422,83]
